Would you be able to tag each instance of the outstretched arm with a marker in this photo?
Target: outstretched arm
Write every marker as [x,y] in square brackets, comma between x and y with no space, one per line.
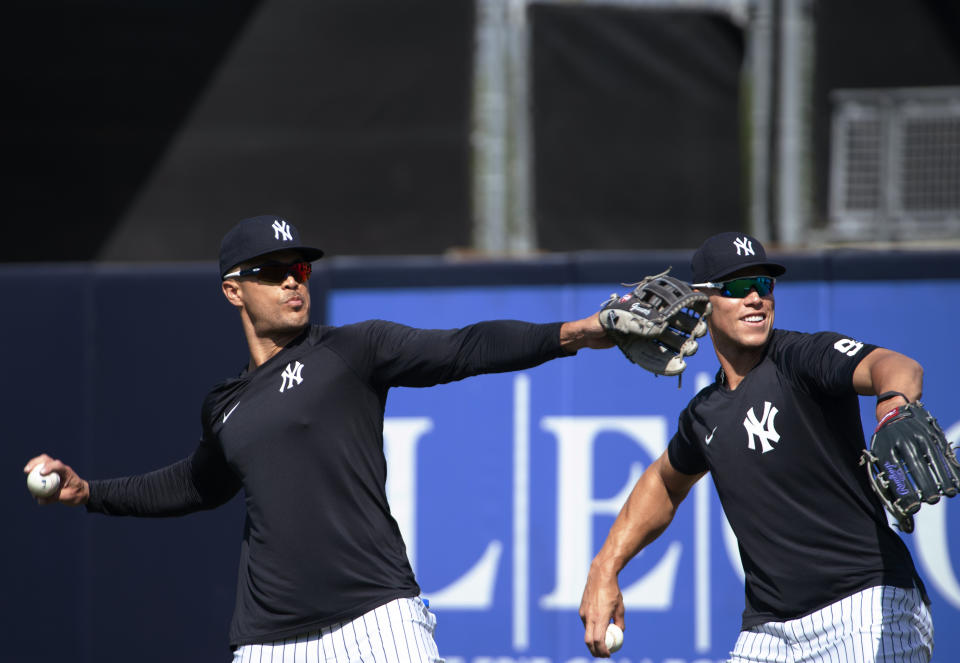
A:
[398,355]
[646,514]
[885,370]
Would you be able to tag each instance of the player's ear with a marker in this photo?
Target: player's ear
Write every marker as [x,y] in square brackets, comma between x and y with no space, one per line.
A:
[232,291]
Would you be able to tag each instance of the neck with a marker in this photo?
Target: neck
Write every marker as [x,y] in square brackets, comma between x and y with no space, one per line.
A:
[737,361]
[263,347]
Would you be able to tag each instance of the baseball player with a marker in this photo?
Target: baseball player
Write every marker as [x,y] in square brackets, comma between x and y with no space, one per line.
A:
[323,572]
[779,430]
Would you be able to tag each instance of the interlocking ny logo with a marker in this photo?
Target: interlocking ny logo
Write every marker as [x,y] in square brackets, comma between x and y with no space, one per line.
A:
[282,229]
[290,376]
[763,429]
[744,246]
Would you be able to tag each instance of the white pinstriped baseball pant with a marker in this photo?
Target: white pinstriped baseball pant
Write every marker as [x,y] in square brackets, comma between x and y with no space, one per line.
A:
[878,625]
[400,631]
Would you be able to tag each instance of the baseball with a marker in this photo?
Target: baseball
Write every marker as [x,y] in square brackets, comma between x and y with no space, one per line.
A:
[614,639]
[40,485]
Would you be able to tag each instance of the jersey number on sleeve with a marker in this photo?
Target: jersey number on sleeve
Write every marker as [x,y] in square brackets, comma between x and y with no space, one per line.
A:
[847,346]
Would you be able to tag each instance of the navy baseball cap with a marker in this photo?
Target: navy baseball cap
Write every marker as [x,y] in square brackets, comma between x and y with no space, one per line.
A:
[728,252]
[259,235]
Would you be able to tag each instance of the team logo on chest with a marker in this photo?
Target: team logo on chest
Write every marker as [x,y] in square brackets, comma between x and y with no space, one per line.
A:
[761,429]
[291,376]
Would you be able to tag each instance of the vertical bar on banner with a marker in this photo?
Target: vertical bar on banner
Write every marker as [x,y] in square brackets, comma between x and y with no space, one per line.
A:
[521,512]
[701,567]
[701,555]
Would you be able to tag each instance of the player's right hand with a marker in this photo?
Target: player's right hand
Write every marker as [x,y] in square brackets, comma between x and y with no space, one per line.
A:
[74,491]
[601,602]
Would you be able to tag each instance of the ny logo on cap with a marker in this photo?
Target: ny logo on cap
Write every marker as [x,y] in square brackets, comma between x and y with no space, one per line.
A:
[281,227]
[745,245]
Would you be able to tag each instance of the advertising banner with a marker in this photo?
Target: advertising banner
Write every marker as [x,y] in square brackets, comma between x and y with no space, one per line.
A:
[504,486]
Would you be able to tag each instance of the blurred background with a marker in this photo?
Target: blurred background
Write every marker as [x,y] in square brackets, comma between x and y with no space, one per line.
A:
[457,160]
[142,130]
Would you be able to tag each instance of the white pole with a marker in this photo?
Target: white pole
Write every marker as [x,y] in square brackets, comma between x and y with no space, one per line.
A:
[489,129]
[793,162]
[521,228]
[760,61]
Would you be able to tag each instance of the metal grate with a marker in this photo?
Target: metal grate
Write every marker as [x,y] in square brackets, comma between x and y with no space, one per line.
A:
[930,180]
[895,164]
[863,169]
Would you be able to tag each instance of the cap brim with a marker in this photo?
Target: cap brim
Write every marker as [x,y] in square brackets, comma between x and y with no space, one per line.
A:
[310,253]
[772,267]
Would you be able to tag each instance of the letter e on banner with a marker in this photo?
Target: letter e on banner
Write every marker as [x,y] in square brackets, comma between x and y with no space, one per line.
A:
[576,508]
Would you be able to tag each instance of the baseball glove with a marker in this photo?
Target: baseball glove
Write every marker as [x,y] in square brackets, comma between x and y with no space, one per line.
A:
[910,462]
[658,323]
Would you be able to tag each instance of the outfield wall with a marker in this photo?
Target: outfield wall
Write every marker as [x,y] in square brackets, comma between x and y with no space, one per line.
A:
[504,485]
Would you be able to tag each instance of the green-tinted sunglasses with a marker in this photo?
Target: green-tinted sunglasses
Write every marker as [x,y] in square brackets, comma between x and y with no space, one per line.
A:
[739,288]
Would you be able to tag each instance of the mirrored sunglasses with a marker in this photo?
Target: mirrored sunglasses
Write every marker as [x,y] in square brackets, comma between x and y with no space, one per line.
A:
[274,272]
[739,288]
